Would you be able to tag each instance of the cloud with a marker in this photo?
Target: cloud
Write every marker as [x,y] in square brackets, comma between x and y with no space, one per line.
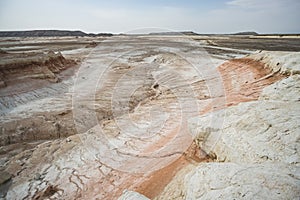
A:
[263,4]
[264,16]
[117,16]
[250,3]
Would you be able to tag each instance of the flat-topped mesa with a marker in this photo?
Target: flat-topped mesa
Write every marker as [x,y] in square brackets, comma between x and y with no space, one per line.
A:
[50,33]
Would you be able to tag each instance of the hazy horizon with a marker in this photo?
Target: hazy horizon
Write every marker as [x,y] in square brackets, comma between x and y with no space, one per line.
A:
[133,16]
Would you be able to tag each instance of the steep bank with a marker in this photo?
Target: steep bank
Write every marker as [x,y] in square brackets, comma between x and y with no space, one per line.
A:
[26,78]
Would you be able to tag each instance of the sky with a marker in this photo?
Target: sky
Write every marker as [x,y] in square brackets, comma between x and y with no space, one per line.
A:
[134,16]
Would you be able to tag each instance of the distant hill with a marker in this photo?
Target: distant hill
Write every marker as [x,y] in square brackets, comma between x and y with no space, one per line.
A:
[48,33]
[175,33]
[246,33]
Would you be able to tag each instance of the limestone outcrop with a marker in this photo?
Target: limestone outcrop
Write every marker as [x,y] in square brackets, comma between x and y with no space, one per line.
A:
[255,145]
[283,62]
